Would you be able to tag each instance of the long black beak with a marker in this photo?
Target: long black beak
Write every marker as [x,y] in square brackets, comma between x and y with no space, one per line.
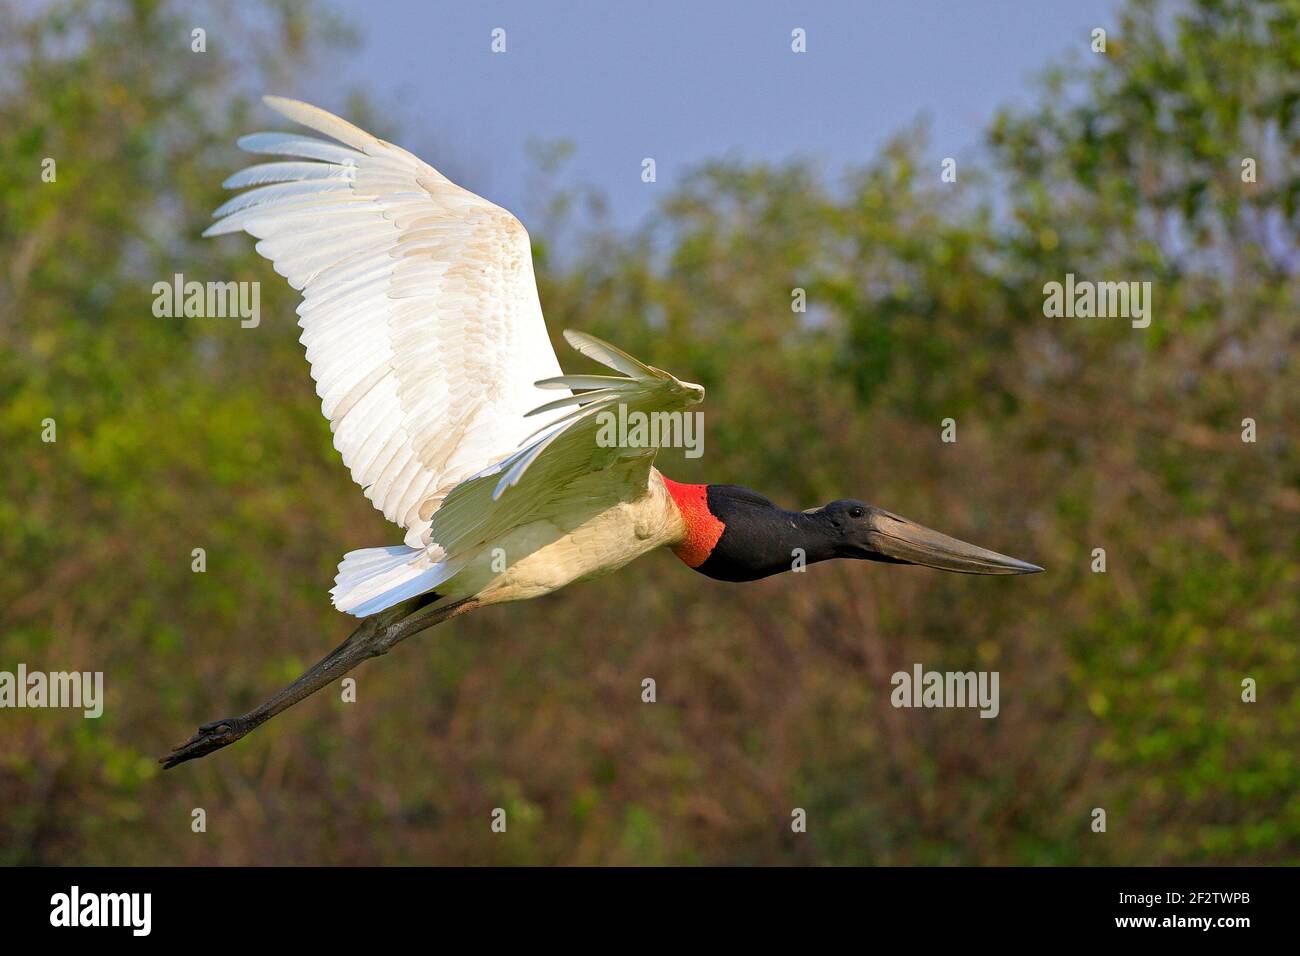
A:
[904,540]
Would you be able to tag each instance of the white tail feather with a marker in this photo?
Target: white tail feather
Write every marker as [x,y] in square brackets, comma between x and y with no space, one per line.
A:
[373,579]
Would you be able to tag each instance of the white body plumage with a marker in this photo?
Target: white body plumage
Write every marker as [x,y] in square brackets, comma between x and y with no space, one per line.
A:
[556,553]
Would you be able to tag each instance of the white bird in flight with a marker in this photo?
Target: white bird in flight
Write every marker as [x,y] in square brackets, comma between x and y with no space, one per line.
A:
[426,340]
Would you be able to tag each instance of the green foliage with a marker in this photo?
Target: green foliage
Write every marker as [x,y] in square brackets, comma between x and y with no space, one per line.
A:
[1119,690]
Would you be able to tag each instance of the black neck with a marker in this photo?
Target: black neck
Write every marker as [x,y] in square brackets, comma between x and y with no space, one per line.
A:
[760,538]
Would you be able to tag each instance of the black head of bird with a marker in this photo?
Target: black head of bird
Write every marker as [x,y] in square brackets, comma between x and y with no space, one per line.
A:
[735,534]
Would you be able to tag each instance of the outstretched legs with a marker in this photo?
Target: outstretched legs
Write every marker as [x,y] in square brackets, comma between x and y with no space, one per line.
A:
[377,635]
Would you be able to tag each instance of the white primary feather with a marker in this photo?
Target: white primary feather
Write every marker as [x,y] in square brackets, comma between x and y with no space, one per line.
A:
[420,312]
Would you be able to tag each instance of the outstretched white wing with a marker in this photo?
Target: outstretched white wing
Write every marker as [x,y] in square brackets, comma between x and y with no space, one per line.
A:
[576,466]
[420,311]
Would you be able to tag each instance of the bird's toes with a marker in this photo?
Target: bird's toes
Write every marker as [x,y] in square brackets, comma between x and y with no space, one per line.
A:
[225,725]
[211,736]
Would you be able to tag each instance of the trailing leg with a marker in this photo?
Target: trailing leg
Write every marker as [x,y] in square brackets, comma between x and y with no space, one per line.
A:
[376,635]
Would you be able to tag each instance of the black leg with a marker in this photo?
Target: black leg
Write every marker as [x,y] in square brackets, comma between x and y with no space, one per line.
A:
[377,635]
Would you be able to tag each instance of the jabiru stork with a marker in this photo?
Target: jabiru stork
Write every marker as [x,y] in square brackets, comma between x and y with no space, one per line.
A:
[426,340]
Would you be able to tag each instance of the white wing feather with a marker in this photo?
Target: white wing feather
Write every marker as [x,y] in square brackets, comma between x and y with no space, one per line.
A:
[540,482]
[420,311]
[531,483]
[427,344]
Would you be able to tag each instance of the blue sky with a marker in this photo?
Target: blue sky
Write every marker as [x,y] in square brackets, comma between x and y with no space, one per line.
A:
[687,81]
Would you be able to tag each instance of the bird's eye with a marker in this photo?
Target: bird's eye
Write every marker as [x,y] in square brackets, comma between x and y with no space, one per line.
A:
[856,513]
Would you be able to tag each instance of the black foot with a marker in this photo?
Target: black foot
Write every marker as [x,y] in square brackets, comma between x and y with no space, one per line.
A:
[213,736]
